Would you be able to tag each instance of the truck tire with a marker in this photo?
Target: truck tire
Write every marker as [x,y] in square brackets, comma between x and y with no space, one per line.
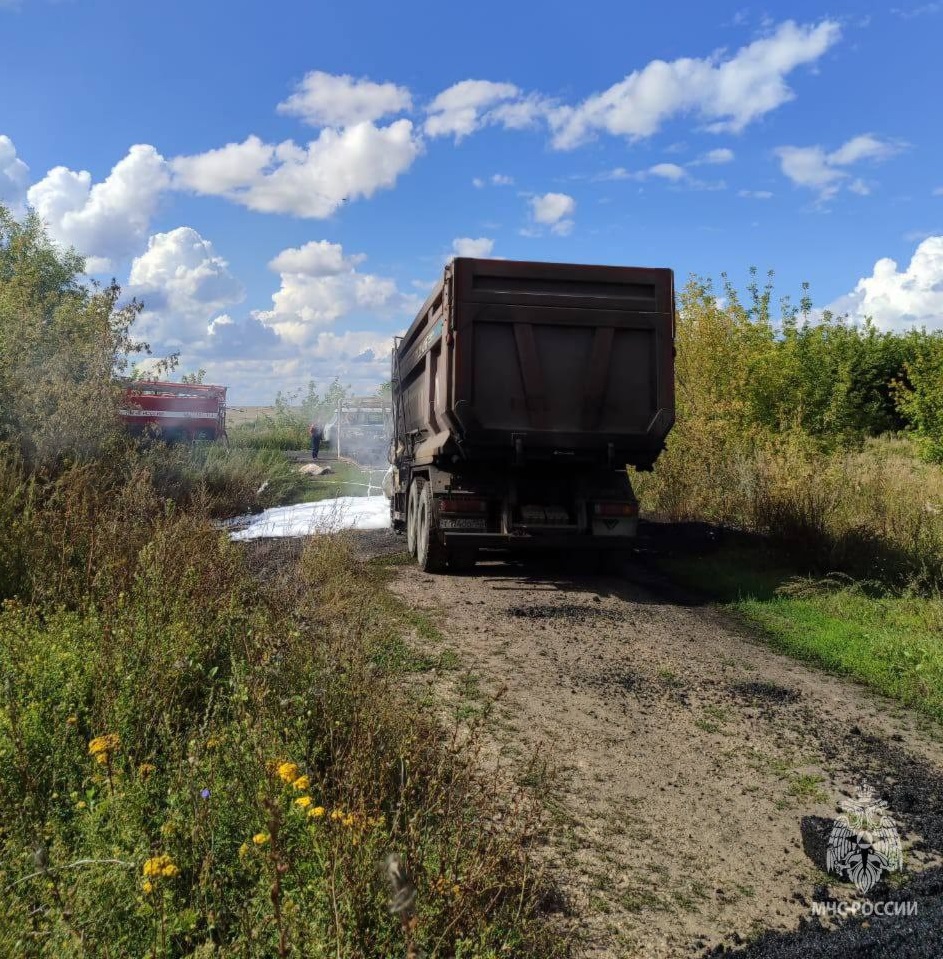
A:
[412,510]
[430,553]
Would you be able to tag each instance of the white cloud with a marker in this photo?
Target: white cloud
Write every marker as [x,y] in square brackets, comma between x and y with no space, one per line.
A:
[667,171]
[324,99]
[466,246]
[728,94]
[106,221]
[863,147]
[183,283]
[720,155]
[921,11]
[496,179]
[553,210]
[464,107]
[899,299]
[662,171]
[319,285]
[14,176]
[311,181]
[938,191]
[756,194]
[552,207]
[814,168]
[316,258]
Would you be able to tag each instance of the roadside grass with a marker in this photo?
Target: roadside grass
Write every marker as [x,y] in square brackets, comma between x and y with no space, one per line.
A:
[198,758]
[279,431]
[345,479]
[891,641]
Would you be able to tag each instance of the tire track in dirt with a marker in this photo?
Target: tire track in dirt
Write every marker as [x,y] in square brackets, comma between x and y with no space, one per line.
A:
[696,765]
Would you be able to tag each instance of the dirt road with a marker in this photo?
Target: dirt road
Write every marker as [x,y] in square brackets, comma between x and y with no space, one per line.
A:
[699,771]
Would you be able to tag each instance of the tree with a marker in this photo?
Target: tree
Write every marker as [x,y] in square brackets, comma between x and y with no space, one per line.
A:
[63,345]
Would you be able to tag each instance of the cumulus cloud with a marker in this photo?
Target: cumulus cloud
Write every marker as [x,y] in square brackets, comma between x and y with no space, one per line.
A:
[728,94]
[466,246]
[307,181]
[323,99]
[554,210]
[184,284]
[319,285]
[105,221]
[317,258]
[466,106]
[899,299]
[14,176]
[825,173]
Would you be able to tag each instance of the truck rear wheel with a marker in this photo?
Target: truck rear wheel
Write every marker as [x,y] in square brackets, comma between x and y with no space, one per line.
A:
[412,509]
[430,553]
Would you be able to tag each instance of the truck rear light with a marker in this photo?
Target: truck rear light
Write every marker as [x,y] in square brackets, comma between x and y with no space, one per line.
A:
[616,509]
[463,505]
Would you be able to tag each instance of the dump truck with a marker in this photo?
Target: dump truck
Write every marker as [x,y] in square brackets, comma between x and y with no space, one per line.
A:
[522,395]
[174,411]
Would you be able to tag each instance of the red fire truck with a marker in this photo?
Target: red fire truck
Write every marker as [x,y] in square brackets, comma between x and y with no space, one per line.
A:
[175,411]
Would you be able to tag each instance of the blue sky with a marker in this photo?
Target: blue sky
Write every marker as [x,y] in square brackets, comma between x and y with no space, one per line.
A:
[281,183]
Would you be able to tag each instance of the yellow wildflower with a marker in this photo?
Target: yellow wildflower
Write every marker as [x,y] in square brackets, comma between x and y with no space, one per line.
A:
[147,886]
[213,742]
[102,747]
[72,721]
[303,801]
[81,804]
[287,772]
[337,814]
[260,838]
[145,770]
[244,850]
[302,783]
[456,890]
[316,813]
[161,865]
[349,820]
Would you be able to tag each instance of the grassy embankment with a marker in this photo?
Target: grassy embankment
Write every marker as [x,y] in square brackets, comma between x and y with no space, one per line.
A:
[774,437]
[206,749]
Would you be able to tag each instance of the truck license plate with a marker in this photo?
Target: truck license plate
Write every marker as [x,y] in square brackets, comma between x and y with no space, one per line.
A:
[459,522]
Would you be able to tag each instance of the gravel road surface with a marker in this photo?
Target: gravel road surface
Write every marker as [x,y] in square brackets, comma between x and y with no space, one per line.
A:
[698,771]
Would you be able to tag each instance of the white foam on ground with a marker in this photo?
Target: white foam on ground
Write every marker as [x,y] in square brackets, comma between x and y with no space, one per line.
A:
[306,519]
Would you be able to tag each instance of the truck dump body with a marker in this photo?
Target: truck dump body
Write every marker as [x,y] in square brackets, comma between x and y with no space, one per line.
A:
[521,393]
[511,360]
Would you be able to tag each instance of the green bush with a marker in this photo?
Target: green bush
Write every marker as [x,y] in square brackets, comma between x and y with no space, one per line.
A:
[776,427]
[920,398]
